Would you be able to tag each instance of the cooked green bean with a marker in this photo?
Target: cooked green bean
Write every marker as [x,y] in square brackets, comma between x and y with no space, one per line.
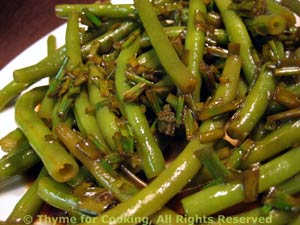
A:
[181,76]
[87,121]
[56,120]
[195,40]
[291,186]
[256,216]
[274,7]
[120,187]
[83,175]
[13,140]
[60,196]
[153,161]
[171,32]
[222,196]
[29,204]
[160,190]
[51,45]
[17,163]
[106,119]
[59,164]
[254,106]
[10,92]
[237,32]
[267,24]
[227,89]
[50,65]
[46,67]
[98,9]
[105,41]
[73,51]
[225,93]
[280,139]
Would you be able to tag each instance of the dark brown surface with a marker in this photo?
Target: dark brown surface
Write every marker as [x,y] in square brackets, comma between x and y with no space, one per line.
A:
[22,22]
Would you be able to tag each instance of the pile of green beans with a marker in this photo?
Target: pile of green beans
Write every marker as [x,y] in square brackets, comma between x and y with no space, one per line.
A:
[161,112]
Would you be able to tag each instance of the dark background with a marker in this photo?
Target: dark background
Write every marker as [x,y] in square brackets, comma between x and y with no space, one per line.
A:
[22,22]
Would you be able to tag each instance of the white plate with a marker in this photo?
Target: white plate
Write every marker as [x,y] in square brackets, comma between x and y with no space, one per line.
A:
[10,195]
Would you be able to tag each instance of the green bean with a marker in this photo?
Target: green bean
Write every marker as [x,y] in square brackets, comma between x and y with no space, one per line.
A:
[259,132]
[60,196]
[242,89]
[153,161]
[151,198]
[120,187]
[255,216]
[51,45]
[98,9]
[214,165]
[56,120]
[92,18]
[280,139]
[13,140]
[216,131]
[17,163]
[66,102]
[214,18]
[227,89]
[50,65]
[171,32]
[83,175]
[87,121]
[106,119]
[44,68]
[48,102]
[59,164]
[221,37]
[274,216]
[195,40]
[105,41]
[149,59]
[225,93]
[267,24]
[29,204]
[254,106]
[291,186]
[10,92]
[222,196]
[237,32]
[73,51]
[46,109]
[274,7]
[181,76]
